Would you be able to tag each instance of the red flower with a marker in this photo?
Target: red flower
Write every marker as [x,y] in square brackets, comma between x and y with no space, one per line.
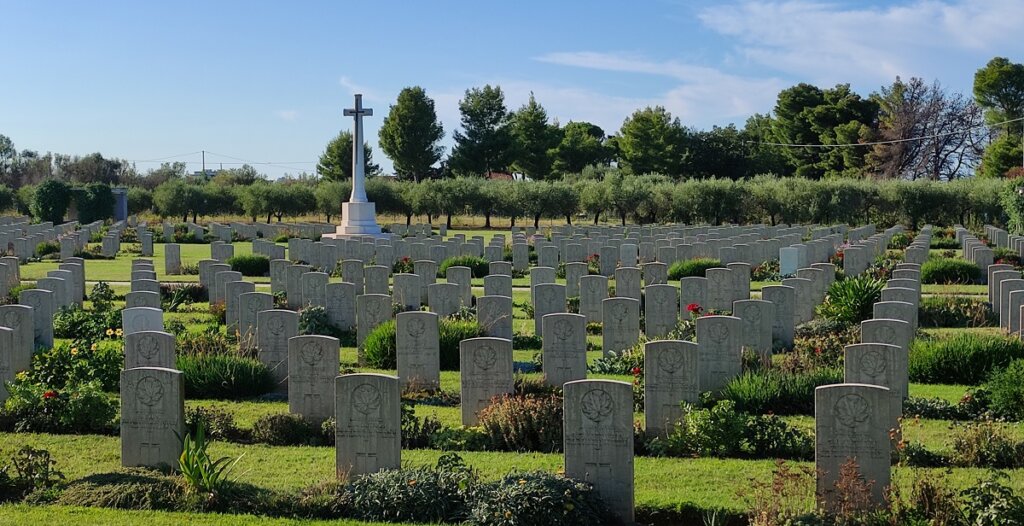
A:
[50,394]
[693,307]
[636,371]
[817,350]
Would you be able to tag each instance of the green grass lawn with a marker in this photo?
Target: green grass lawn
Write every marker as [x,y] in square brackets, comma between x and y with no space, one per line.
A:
[20,515]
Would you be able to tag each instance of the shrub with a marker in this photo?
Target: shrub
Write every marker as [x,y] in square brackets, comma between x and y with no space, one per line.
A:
[851,300]
[946,271]
[778,392]
[224,376]
[479,266]
[538,498]
[424,494]
[986,444]
[73,409]
[404,265]
[1006,391]
[47,247]
[34,470]
[692,268]
[125,489]
[285,429]
[67,364]
[524,423]
[209,341]
[944,243]
[955,311]
[723,431]
[182,293]
[314,320]
[416,432]
[85,327]
[218,424]
[250,264]
[379,348]
[965,358]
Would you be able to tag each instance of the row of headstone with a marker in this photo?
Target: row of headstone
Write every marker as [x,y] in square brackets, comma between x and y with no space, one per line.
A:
[974,250]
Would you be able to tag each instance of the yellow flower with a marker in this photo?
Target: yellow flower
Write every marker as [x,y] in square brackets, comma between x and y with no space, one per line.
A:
[93,348]
[21,376]
[110,332]
[508,514]
[74,351]
[522,481]
[412,482]
[119,332]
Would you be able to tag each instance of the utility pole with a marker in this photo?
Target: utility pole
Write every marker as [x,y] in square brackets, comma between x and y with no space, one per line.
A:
[204,163]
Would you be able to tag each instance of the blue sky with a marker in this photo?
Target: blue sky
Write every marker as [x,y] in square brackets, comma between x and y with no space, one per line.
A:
[267,81]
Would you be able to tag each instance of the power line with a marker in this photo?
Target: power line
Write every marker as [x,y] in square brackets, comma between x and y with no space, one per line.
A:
[894,141]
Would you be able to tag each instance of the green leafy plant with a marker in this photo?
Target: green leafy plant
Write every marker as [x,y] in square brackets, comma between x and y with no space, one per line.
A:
[1006,391]
[524,423]
[201,472]
[71,364]
[285,429]
[692,268]
[966,358]
[219,424]
[538,498]
[75,408]
[986,444]
[47,247]
[223,376]
[314,320]
[946,271]
[851,300]
[442,493]
[955,311]
[479,266]
[380,347]
[778,392]
[250,264]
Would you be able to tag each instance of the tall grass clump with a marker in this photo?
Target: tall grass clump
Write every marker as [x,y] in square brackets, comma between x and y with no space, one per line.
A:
[961,359]
[224,376]
[945,271]
[692,268]
[781,393]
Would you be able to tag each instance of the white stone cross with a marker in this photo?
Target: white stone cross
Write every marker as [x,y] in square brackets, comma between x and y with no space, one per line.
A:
[358,163]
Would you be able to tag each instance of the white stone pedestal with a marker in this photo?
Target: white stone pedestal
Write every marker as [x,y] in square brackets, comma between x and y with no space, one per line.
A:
[358,219]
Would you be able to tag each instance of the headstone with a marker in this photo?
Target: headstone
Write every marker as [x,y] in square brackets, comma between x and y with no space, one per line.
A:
[138,319]
[661,310]
[670,378]
[564,348]
[341,305]
[877,364]
[172,259]
[376,279]
[757,317]
[408,291]
[43,309]
[18,318]
[368,424]
[485,366]
[371,311]
[783,325]
[443,298]
[549,299]
[498,285]
[312,368]
[621,324]
[152,416]
[851,424]
[627,282]
[593,292]
[720,291]
[273,329]
[250,304]
[418,350]
[149,349]
[718,338]
[494,313]
[598,440]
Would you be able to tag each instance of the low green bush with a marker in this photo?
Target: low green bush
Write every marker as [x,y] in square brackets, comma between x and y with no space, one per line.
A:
[723,431]
[224,376]
[250,264]
[380,348]
[986,444]
[1006,391]
[30,470]
[314,320]
[125,489]
[442,493]
[944,271]
[944,243]
[73,409]
[692,268]
[538,498]
[773,391]
[955,311]
[286,429]
[966,358]
[68,364]
[208,341]
[219,424]
[851,300]
[479,266]
[524,423]
[47,247]
[86,327]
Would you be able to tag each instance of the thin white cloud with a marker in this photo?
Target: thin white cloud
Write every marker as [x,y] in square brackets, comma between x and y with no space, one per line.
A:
[704,96]
[825,42]
[353,88]
[287,115]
